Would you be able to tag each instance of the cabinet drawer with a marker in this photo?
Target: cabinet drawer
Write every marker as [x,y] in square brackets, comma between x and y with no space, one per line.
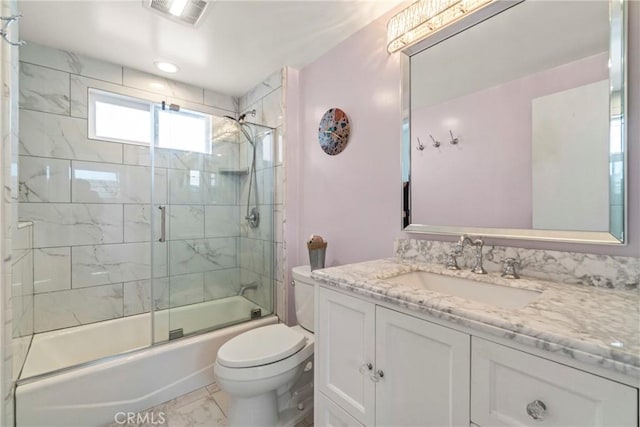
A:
[329,414]
[506,382]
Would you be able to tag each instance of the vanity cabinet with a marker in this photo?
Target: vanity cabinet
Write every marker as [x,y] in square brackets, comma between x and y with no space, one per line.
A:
[510,387]
[379,366]
[382,367]
[328,414]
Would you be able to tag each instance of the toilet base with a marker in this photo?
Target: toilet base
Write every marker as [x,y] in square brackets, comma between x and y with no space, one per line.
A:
[254,413]
[292,416]
[258,411]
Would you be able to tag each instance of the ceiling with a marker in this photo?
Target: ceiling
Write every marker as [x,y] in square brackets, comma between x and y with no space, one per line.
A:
[234,46]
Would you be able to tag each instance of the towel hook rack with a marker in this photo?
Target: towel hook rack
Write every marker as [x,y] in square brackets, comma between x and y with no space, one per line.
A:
[4,32]
[436,143]
[453,141]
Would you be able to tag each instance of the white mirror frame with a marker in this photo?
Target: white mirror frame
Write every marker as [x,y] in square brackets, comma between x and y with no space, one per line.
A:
[618,13]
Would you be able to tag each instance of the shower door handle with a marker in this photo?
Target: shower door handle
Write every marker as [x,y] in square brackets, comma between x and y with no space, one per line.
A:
[163,223]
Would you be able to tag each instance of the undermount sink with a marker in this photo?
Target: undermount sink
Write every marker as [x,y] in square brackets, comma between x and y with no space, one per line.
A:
[501,296]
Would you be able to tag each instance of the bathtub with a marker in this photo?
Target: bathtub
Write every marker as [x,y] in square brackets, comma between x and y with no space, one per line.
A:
[93,393]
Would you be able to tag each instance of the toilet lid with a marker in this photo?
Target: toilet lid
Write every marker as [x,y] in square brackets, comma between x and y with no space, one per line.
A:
[261,346]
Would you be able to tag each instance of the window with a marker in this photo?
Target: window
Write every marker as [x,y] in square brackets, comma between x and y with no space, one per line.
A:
[119,118]
[183,130]
[128,120]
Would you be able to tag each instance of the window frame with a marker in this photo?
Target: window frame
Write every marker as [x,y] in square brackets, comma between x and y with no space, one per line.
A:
[97,95]
[154,108]
[158,108]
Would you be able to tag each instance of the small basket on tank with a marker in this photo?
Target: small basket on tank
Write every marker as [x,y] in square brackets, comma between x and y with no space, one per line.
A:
[317,251]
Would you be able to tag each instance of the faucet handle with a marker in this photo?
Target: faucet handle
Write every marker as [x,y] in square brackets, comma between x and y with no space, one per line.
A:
[509,268]
[452,263]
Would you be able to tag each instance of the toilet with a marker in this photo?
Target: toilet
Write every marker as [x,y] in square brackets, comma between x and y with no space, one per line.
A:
[268,371]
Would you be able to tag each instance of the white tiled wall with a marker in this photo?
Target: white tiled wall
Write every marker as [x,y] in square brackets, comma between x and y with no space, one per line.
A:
[90,200]
[22,281]
[10,350]
[266,99]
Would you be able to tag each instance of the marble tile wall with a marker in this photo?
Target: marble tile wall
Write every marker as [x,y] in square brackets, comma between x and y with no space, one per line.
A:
[266,270]
[565,267]
[90,201]
[22,280]
[12,352]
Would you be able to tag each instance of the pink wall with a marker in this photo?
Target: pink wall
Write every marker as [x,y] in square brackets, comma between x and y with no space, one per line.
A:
[353,199]
[494,127]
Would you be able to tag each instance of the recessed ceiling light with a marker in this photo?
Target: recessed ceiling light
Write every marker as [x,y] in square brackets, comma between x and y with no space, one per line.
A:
[177,7]
[167,67]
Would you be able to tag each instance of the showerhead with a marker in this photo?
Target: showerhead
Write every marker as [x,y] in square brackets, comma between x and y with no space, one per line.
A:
[243,116]
[251,113]
[241,125]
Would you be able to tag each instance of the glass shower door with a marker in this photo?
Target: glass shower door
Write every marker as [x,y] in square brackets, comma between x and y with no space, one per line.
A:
[208,246]
[256,242]
[87,200]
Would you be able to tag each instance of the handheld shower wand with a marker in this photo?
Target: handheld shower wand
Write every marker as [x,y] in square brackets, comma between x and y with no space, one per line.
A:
[253,214]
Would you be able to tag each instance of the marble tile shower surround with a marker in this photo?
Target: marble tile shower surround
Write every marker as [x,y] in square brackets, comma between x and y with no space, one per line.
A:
[90,200]
[22,280]
[266,99]
[613,272]
[12,352]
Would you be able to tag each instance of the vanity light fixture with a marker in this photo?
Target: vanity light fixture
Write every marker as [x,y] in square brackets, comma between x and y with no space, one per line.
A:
[425,17]
[167,67]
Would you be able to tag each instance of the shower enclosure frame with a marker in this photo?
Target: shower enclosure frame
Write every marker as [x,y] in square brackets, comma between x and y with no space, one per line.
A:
[153,310]
[251,139]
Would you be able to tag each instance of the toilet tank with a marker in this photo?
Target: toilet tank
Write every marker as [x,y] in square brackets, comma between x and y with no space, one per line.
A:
[304,295]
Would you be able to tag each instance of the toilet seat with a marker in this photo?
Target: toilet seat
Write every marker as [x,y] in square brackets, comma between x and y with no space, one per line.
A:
[272,369]
[261,346]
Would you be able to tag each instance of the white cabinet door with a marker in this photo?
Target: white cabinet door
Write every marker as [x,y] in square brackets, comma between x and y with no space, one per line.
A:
[505,382]
[425,371]
[328,414]
[345,335]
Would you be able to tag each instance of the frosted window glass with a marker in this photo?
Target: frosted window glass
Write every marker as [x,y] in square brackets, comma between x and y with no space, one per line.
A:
[125,119]
[184,130]
[117,119]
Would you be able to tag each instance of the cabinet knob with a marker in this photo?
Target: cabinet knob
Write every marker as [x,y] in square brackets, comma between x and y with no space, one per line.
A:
[377,376]
[536,410]
[366,367]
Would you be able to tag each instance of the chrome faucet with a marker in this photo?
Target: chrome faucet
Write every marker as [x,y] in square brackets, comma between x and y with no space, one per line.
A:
[459,248]
[245,288]
[509,268]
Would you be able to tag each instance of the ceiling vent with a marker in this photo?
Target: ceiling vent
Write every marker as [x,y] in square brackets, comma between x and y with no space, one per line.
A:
[185,11]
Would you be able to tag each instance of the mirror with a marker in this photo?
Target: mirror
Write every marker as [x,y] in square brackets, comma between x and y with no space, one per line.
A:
[514,124]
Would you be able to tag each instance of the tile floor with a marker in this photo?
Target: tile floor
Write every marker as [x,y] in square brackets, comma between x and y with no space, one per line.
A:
[205,407]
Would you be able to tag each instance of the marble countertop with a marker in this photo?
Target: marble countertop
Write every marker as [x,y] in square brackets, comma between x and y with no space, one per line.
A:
[592,325]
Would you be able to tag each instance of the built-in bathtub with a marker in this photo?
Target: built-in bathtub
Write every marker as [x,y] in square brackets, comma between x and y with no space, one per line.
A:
[94,392]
